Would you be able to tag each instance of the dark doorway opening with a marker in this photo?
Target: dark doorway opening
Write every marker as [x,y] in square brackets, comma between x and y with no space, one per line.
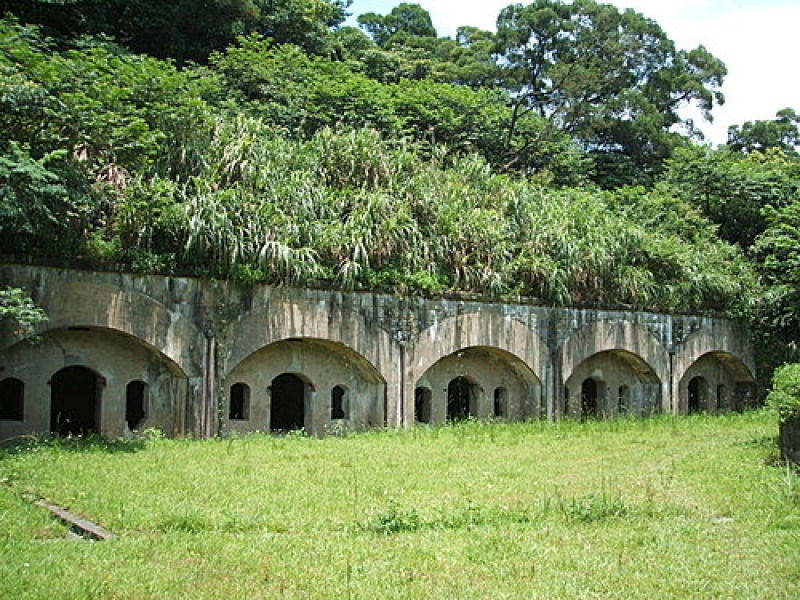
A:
[501,403]
[589,399]
[12,399]
[697,398]
[75,402]
[239,406]
[287,410]
[422,405]
[722,398]
[460,395]
[623,399]
[338,404]
[135,403]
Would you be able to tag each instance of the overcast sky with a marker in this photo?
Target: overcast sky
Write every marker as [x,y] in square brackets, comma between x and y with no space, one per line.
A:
[758,40]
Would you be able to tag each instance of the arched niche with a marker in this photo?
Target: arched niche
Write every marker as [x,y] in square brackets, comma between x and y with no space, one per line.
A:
[322,366]
[715,382]
[603,382]
[121,360]
[463,384]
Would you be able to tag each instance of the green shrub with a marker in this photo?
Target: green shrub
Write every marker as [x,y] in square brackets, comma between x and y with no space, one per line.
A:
[785,394]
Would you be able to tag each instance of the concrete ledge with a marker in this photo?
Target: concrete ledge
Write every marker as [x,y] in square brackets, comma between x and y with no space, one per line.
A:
[79,526]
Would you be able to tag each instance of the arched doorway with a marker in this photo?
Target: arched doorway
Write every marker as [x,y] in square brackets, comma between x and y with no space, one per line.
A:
[500,403]
[75,402]
[288,407]
[589,398]
[697,395]
[461,395]
[422,405]
[135,403]
[339,408]
[611,383]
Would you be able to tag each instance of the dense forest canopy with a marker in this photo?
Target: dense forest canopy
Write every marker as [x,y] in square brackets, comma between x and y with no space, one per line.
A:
[262,140]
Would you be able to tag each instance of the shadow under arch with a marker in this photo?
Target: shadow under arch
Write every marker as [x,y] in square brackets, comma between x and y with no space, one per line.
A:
[716,381]
[469,382]
[118,360]
[296,382]
[640,355]
[612,382]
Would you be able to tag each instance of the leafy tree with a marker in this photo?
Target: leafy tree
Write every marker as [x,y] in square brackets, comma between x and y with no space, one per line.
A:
[404,23]
[300,94]
[467,60]
[733,189]
[612,79]
[185,30]
[781,133]
[777,250]
[272,165]
[303,23]
[77,128]
[37,212]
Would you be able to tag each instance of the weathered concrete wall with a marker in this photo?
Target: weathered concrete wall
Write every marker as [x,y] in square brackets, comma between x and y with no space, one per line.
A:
[191,342]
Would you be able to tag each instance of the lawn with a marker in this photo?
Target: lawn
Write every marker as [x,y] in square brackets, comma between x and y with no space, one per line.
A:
[668,507]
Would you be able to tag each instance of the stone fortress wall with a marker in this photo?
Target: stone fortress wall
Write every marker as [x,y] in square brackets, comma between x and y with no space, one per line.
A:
[128,352]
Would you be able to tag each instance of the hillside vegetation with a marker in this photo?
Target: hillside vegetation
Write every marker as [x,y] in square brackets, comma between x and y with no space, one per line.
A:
[548,159]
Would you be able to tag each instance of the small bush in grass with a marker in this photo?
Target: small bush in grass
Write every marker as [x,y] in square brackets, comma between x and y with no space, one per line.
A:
[395,519]
[594,507]
[785,394]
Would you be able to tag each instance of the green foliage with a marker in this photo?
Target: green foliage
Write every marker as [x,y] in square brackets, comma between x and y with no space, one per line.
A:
[404,22]
[612,79]
[781,133]
[34,204]
[272,165]
[358,211]
[785,394]
[185,30]
[20,310]
[777,251]
[733,189]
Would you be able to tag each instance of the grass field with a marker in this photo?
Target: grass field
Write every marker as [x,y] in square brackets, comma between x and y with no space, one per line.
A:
[690,507]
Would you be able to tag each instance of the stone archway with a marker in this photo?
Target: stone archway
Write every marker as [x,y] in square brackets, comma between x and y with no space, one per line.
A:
[611,383]
[715,382]
[465,384]
[75,395]
[336,385]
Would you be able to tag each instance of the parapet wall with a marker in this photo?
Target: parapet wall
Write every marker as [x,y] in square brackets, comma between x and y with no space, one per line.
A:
[122,352]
